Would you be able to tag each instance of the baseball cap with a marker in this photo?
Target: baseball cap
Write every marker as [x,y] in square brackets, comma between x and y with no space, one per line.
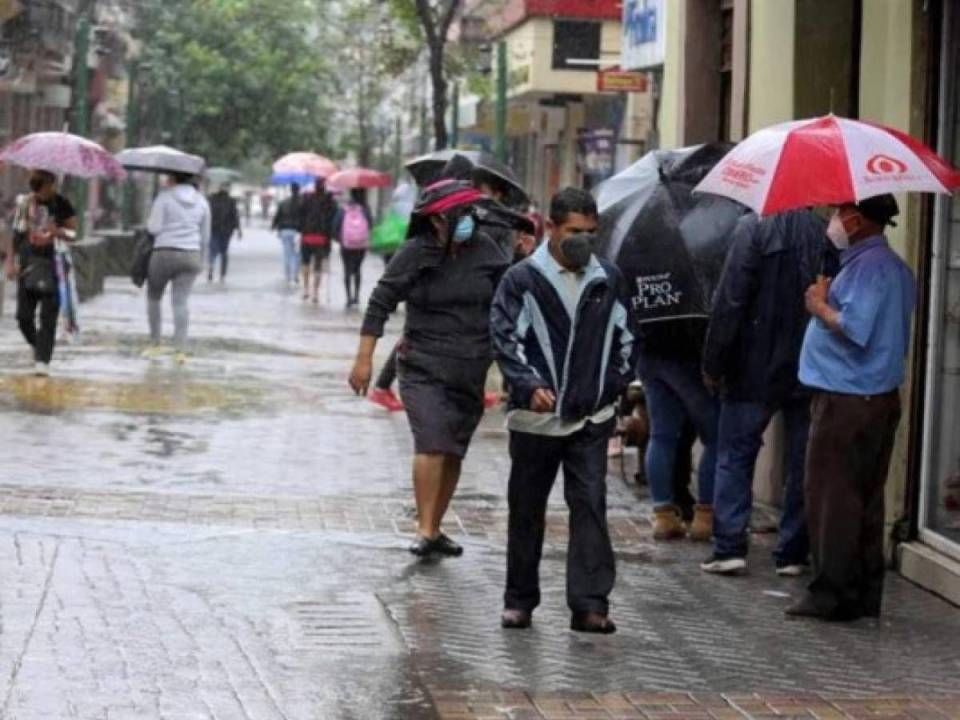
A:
[880,208]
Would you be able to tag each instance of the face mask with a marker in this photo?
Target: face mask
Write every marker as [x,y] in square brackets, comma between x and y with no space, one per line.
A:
[576,250]
[838,233]
[36,185]
[465,229]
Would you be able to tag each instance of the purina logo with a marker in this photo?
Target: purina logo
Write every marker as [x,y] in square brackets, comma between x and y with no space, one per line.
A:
[886,165]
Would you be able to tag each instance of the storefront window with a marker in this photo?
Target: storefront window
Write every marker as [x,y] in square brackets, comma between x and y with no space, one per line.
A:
[942,481]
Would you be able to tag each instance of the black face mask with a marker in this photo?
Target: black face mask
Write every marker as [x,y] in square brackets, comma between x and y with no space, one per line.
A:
[577,249]
[36,185]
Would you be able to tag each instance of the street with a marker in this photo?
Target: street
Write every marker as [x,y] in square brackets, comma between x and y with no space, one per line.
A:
[227,539]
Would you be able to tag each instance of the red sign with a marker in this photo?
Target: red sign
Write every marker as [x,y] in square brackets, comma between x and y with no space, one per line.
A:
[616,80]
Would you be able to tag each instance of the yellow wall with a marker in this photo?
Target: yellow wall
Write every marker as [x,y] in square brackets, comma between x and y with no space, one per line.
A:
[670,115]
[772,30]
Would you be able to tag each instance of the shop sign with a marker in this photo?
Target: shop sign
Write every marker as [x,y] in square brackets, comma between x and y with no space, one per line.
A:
[621,81]
[644,34]
[595,151]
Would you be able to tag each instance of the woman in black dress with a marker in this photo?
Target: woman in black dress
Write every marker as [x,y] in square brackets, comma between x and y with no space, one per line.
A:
[447,274]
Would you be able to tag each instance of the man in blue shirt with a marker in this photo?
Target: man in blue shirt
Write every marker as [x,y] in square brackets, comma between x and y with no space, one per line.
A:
[853,358]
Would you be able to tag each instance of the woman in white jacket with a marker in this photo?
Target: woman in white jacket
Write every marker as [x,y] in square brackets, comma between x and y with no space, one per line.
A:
[180,224]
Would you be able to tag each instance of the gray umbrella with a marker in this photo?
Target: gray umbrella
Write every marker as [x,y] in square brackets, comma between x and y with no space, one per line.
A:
[426,169]
[161,159]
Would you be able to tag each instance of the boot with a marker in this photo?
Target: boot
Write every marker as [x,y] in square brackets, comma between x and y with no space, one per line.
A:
[701,529]
[667,524]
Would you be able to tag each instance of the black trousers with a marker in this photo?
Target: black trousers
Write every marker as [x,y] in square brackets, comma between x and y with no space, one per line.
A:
[43,338]
[590,564]
[848,457]
[352,262]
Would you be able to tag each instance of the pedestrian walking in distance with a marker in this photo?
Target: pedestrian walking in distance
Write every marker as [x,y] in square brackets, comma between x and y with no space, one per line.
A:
[286,223]
[318,213]
[562,339]
[751,356]
[180,224]
[224,222]
[41,217]
[352,231]
[446,273]
[853,358]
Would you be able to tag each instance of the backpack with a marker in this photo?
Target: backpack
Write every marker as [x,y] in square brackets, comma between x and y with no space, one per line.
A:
[355,231]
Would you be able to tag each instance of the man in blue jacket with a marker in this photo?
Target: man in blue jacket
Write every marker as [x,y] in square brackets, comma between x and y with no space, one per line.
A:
[752,353]
[562,337]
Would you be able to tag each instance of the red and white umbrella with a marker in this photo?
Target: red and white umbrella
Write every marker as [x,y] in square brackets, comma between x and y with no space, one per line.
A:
[62,153]
[357,178]
[826,161]
[305,163]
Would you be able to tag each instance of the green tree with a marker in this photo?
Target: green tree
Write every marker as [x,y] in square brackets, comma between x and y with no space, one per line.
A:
[235,79]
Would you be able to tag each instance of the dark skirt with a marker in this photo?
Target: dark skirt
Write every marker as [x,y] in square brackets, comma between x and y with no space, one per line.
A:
[443,397]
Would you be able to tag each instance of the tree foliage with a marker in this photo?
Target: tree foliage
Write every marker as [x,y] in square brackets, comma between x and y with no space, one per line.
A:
[234,79]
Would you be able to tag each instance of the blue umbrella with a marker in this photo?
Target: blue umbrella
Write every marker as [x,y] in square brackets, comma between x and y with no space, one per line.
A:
[291,178]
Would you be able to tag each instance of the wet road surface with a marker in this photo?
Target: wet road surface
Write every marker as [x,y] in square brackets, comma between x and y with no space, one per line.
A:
[227,539]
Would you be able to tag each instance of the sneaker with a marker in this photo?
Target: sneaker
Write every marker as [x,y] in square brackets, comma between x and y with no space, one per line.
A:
[491,400]
[667,524]
[721,565]
[701,528]
[41,369]
[386,399]
[793,570]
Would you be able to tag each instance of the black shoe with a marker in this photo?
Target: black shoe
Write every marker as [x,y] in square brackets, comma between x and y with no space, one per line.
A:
[445,546]
[421,547]
[809,608]
[511,619]
[592,622]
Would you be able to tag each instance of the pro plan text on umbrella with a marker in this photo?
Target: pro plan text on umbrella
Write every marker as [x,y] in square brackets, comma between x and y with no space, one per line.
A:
[655,292]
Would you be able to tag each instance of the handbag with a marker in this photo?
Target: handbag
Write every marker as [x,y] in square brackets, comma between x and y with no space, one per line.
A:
[38,276]
[140,266]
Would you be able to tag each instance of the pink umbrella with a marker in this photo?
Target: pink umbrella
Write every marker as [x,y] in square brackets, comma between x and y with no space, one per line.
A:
[826,161]
[305,163]
[357,178]
[62,153]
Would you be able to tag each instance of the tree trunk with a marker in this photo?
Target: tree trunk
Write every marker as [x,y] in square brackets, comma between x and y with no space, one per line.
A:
[439,96]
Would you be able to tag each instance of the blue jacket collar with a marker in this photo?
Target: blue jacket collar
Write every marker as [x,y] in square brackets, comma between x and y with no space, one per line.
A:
[861,247]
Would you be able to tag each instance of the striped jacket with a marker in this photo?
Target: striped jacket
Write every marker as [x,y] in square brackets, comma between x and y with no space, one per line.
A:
[585,353]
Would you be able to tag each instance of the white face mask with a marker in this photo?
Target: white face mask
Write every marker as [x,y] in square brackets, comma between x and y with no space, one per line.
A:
[838,233]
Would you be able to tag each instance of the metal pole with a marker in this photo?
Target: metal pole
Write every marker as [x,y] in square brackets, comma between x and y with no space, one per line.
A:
[132,138]
[80,107]
[455,116]
[500,141]
[398,146]
[424,133]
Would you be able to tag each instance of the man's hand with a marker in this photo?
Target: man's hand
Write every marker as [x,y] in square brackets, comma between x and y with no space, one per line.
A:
[543,400]
[525,244]
[816,296]
[360,375]
[711,383]
[10,268]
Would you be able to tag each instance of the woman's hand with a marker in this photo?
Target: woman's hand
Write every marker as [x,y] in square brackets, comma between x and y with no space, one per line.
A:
[360,375]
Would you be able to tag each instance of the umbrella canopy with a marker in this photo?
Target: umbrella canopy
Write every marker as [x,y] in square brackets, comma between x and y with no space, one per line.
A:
[826,161]
[62,153]
[301,179]
[670,244]
[357,178]
[426,169]
[223,174]
[161,159]
[304,164]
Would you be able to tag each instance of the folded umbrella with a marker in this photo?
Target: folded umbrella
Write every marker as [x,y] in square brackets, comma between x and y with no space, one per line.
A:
[161,159]
[826,161]
[62,153]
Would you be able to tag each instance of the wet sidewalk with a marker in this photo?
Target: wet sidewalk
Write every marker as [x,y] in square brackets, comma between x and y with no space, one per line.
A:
[227,539]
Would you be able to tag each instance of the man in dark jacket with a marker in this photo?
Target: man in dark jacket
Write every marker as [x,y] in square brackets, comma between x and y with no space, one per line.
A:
[286,222]
[561,333]
[752,352]
[318,213]
[224,222]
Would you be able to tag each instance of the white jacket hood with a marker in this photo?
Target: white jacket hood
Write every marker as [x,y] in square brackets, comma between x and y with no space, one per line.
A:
[180,219]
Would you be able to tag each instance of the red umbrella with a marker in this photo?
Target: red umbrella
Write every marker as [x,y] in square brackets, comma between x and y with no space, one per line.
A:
[826,161]
[358,178]
[62,153]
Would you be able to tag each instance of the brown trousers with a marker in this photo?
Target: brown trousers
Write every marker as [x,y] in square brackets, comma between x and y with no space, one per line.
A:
[848,456]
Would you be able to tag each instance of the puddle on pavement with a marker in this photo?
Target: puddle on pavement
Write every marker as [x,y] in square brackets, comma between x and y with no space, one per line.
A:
[172,397]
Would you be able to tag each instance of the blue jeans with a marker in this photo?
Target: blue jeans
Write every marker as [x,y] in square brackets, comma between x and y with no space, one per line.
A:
[675,392]
[291,259]
[741,436]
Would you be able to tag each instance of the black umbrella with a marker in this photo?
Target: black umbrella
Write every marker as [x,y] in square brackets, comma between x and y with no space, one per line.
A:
[670,244]
[427,168]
